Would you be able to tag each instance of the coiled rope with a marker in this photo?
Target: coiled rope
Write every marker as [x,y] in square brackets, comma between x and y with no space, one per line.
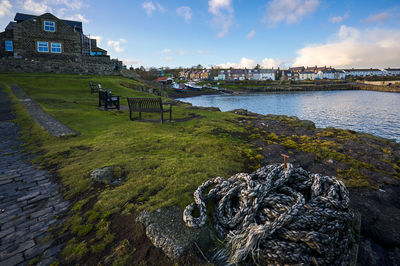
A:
[278,216]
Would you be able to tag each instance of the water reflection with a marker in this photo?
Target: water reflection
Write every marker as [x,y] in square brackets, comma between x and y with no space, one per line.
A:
[372,112]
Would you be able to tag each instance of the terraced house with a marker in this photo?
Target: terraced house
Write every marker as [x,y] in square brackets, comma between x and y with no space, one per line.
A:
[46,36]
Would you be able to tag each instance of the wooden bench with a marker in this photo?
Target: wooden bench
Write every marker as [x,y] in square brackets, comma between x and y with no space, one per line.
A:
[108,100]
[94,88]
[150,105]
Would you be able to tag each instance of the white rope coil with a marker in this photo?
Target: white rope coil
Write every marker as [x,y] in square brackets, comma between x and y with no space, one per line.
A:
[278,216]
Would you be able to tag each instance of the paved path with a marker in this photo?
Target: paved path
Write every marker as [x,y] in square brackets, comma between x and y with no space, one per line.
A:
[49,123]
[29,200]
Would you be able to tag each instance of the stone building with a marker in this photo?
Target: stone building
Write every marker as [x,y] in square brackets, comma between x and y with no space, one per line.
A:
[56,43]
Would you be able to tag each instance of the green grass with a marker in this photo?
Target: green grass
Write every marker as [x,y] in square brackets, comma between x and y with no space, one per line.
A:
[162,163]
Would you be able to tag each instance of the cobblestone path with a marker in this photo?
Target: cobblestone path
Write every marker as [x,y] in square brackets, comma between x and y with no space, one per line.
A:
[29,200]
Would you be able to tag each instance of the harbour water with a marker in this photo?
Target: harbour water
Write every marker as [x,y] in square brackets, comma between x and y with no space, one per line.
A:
[377,113]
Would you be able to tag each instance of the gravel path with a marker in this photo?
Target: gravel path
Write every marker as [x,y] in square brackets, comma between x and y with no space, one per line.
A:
[29,200]
[49,123]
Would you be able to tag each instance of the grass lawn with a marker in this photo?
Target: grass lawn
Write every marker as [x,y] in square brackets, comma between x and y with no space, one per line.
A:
[162,164]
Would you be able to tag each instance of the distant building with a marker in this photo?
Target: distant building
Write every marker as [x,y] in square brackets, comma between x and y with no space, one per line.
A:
[364,72]
[261,74]
[238,74]
[392,71]
[297,69]
[330,74]
[307,75]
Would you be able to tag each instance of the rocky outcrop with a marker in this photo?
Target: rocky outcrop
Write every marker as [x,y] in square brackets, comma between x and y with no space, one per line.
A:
[167,231]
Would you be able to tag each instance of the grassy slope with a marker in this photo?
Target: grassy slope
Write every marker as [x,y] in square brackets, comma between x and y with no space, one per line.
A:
[165,160]
[162,163]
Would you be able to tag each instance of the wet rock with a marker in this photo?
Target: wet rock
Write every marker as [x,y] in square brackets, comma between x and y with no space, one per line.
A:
[167,231]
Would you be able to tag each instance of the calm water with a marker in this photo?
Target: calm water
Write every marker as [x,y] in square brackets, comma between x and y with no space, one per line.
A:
[372,112]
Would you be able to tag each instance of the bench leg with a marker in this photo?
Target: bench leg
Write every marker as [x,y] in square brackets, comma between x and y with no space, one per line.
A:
[162,117]
[130,114]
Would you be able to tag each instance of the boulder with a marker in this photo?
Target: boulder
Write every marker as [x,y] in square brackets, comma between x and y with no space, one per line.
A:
[166,230]
[103,175]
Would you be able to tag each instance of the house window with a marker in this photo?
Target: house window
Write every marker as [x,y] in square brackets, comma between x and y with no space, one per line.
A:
[55,47]
[43,47]
[9,46]
[49,26]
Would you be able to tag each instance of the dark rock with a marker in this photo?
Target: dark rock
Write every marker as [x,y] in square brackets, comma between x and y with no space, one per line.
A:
[166,230]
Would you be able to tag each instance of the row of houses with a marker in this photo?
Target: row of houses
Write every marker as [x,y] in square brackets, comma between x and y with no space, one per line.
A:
[293,73]
[203,74]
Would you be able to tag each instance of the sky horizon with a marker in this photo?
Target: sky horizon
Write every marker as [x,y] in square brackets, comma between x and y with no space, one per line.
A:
[233,33]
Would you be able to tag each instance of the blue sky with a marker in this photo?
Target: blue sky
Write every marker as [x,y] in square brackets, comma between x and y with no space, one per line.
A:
[237,33]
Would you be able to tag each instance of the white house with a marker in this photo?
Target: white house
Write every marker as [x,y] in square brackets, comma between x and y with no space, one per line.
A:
[267,74]
[364,72]
[392,71]
[304,75]
[330,74]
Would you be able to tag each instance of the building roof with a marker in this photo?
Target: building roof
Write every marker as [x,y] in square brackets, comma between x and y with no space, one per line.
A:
[307,72]
[238,71]
[161,79]
[19,17]
[392,69]
[267,70]
[10,25]
[296,68]
[363,69]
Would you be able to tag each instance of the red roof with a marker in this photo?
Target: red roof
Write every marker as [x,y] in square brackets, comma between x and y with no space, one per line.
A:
[160,79]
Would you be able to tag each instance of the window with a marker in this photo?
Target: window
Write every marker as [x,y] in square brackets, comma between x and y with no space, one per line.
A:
[9,46]
[55,47]
[43,47]
[49,26]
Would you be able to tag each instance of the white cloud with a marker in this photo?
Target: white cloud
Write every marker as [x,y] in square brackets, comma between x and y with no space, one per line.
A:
[251,34]
[185,12]
[290,11]
[165,51]
[150,7]
[64,9]
[270,63]
[250,63]
[132,62]
[36,7]
[77,17]
[117,45]
[352,47]
[5,8]
[380,17]
[222,11]
[339,19]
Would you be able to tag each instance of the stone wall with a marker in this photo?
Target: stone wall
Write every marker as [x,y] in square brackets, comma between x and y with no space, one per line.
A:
[29,32]
[79,65]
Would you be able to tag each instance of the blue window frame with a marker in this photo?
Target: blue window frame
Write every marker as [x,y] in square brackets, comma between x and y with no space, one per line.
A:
[43,47]
[55,47]
[49,26]
[9,46]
